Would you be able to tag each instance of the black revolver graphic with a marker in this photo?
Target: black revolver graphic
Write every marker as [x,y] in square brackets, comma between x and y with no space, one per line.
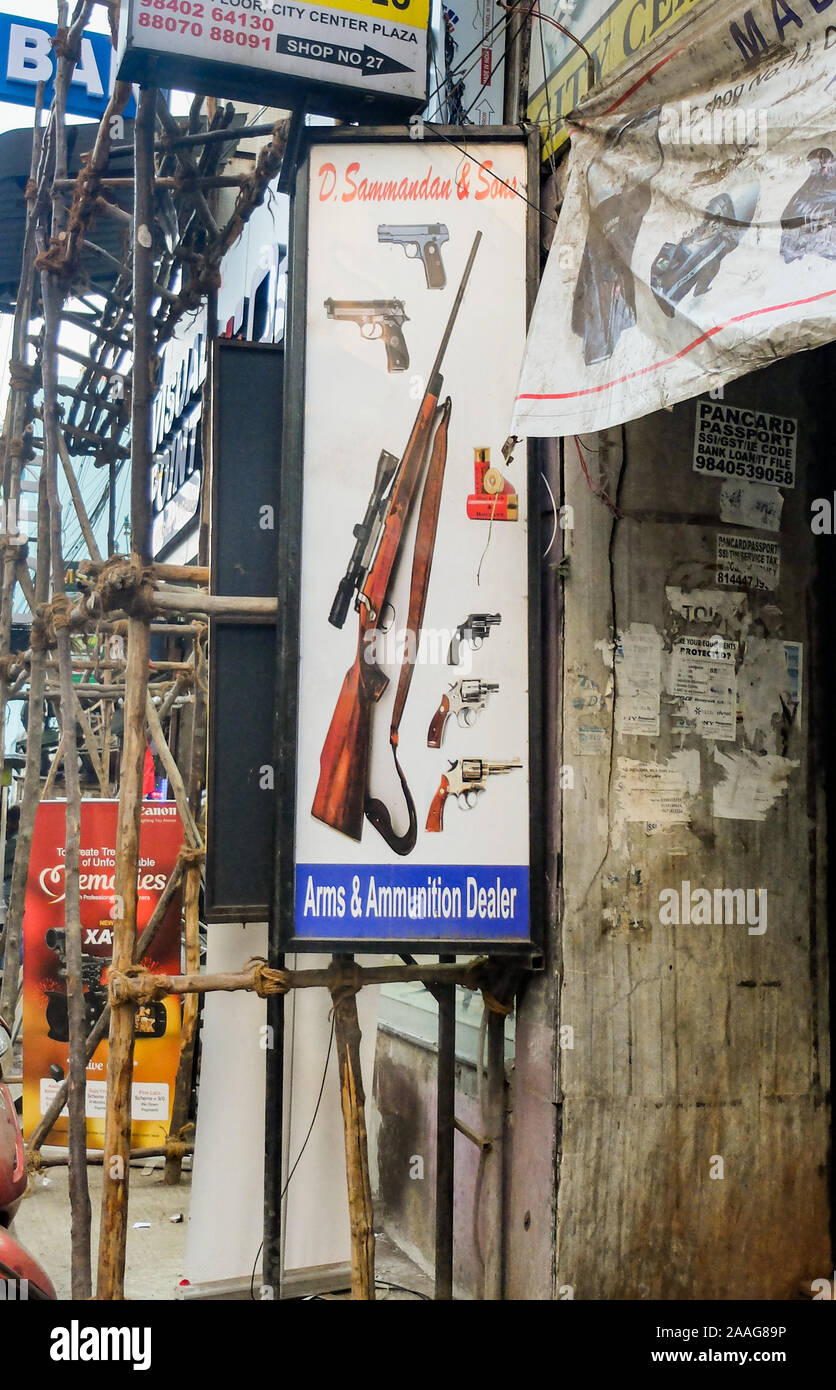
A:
[376,318]
[420,242]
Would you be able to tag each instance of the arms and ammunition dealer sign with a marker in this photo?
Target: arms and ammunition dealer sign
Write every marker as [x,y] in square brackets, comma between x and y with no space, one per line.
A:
[413,727]
[341,59]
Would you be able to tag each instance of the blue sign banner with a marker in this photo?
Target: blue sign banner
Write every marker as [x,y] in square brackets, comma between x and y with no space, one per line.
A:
[27,58]
[481,902]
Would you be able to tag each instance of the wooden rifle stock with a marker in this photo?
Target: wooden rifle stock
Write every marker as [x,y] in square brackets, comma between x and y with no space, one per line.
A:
[344,760]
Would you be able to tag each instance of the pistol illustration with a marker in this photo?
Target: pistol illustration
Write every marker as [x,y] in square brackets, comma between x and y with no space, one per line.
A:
[464,779]
[465,699]
[420,242]
[475,628]
[376,318]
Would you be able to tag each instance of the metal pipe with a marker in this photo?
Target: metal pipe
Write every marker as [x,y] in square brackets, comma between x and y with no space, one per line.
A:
[445,1137]
[494,1161]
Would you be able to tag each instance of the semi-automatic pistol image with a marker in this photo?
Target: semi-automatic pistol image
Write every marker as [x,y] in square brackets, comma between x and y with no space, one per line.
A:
[376,318]
[420,243]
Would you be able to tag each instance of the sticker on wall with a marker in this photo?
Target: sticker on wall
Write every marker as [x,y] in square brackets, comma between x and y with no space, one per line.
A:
[659,793]
[705,605]
[638,659]
[747,562]
[731,441]
[704,682]
[751,504]
[769,687]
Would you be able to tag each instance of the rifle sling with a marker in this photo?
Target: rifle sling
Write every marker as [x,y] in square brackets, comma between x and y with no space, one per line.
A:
[377,812]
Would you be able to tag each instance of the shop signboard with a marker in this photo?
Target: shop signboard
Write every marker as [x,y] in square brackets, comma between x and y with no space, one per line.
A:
[46,1049]
[409,555]
[340,59]
[695,241]
[27,57]
[610,32]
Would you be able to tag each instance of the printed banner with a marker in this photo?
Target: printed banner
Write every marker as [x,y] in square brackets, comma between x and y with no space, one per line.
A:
[45,1032]
[696,240]
[412,796]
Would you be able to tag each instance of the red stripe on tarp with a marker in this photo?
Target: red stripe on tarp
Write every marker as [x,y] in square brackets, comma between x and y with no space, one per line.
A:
[666,362]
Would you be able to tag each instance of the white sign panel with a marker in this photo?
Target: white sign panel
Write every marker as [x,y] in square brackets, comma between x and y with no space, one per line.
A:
[412,790]
[732,441]
[695,242]
[338,57]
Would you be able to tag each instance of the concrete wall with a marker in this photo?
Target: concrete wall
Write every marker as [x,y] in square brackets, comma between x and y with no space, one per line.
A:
[692,1043]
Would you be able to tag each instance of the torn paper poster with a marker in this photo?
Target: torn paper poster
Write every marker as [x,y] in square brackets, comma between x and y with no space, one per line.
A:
[747,562]
[695,239]
[638,680]
[703,680]
[658,793]
[705,605]
[769,690]
[751,504]
[752,784]
[751,446]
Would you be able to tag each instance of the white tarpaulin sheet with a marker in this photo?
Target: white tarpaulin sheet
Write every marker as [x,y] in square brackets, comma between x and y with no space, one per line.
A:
[696,241]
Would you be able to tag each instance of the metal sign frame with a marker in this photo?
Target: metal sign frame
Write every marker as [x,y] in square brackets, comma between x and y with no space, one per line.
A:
[163,66]
[290,560]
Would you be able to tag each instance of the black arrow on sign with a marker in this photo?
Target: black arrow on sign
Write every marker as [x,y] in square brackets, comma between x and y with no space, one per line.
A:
[366,60]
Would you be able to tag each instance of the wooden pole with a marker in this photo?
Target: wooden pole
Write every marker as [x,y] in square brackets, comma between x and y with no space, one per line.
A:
[188,1027]
[353,1099]
[117,1144]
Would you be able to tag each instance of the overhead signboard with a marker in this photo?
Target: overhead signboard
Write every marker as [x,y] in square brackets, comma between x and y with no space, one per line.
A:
[343,59]
[411,682]
[27,57]
[612,33]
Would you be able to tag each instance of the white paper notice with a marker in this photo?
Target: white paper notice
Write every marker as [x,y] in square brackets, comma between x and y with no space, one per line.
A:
[704,680]
[747,562]
[751,504]
[638,680]
[752,784]
[658,793]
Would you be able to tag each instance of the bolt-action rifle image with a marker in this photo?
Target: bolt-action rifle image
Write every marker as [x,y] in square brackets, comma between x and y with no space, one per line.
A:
[464,699]
[341,799]
[376,318]
[151,1018]
[420,242]
[475,628]
[464,779]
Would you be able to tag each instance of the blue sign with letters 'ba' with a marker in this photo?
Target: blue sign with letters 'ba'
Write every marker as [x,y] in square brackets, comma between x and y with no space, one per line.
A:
[27,58]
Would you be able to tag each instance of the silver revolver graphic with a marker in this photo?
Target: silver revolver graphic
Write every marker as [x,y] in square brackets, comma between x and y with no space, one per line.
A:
[464,699]
[464,779]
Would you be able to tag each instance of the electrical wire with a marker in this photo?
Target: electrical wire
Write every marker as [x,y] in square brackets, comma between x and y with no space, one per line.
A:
[554,513]
[301,1151]
[494,175]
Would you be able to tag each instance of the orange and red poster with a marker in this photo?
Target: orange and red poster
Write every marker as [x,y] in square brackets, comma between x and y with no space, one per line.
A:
[46,1047]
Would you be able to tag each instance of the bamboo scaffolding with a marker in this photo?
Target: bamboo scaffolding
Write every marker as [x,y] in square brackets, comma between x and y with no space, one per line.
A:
[117,1144]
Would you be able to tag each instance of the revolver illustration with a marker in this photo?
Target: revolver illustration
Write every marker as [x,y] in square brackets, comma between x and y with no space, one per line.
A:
[376,318]
[464,780]
[465,699]
[475,628]
[420,243]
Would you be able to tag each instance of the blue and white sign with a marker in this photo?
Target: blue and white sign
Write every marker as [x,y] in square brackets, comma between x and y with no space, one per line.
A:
[27,58]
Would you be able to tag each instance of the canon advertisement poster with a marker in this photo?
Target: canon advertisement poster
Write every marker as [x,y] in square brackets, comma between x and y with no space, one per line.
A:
[45,1029]
[412,795]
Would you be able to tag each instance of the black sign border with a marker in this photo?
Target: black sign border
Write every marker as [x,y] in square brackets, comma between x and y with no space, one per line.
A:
[289,569]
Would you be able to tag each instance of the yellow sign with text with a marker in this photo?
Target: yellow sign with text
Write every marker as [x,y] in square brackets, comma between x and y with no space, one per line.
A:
[619,33]
[414,13]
